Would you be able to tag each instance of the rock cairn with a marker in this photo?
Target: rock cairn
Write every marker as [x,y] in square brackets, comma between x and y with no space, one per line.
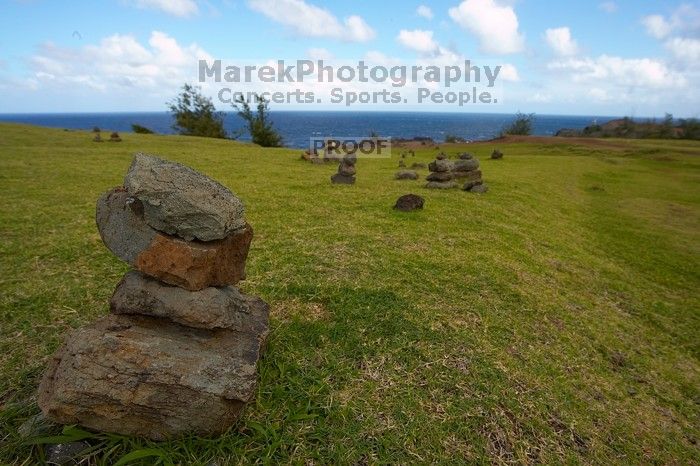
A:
[496,154]
[440,173]
[466,168]
[114,137]
[346,170]
[178,352]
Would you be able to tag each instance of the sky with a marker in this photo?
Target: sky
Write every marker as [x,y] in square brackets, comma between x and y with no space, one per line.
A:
[572,57]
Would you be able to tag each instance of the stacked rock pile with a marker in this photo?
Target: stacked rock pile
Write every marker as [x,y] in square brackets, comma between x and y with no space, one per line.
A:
[497,154]
[178,352]
[114,137]
[346,170]
[466,168]
[440,173]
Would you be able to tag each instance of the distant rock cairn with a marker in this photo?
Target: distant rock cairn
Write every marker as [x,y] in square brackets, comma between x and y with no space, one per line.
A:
[466,169]
[441,176]
[178,353]
[445,173]
[346,170]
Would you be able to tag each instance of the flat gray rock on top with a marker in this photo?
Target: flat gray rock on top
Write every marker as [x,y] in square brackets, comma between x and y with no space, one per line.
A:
[180,201]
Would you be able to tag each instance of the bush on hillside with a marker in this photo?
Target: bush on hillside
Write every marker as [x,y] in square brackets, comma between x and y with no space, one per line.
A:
[522,125]
[138,129]
[195,114]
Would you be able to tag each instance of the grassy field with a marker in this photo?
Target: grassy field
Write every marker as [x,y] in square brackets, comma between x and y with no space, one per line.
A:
[555,319]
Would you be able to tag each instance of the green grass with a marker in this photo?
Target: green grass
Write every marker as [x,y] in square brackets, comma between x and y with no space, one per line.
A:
[554,319]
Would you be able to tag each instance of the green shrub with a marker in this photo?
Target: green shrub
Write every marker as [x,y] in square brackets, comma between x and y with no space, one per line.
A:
[522,126]
[141,129]
[195,114]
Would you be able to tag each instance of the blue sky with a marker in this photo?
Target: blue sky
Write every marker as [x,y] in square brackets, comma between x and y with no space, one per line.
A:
[574,57]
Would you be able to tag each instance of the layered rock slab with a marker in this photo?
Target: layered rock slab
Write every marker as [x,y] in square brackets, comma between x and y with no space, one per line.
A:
[210,308]
[150,377]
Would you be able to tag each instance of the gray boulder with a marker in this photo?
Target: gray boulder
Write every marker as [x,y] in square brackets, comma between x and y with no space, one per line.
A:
[213,307]
[465,165]
[121,225]
[346,169]
[406,175]
[441,185]
[471,184]
[439,176]
[180,201]
[147,376]
[342,179]
[440,165]
[479,188]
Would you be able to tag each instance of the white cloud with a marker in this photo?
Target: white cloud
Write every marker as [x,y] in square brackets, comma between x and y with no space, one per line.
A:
[119,62]
[319,54]
[539,97]
[684,20]
[560,41]
[181,8]
[418,40]
[509,73]
[424,11]
[608,7]
[495,25]
[685,50]
[616,71]
[598,94]
[312,21]
[422,42]
[657,26]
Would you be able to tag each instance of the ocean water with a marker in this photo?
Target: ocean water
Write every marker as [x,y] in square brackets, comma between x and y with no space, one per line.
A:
[297,127]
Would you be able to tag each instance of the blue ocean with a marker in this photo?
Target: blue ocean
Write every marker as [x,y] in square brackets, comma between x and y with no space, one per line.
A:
[297,127]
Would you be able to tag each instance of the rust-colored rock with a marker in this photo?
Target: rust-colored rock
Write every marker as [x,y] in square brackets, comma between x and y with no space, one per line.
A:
[194,265]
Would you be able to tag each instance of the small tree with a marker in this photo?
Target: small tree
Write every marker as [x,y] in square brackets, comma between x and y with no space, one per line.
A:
[195,114]
[667,127]
[522,126]
[260,127]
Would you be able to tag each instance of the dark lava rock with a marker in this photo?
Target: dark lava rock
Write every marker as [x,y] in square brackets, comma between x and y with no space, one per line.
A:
[409,202]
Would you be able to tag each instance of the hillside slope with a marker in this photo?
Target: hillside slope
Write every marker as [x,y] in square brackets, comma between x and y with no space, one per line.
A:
[553,319]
